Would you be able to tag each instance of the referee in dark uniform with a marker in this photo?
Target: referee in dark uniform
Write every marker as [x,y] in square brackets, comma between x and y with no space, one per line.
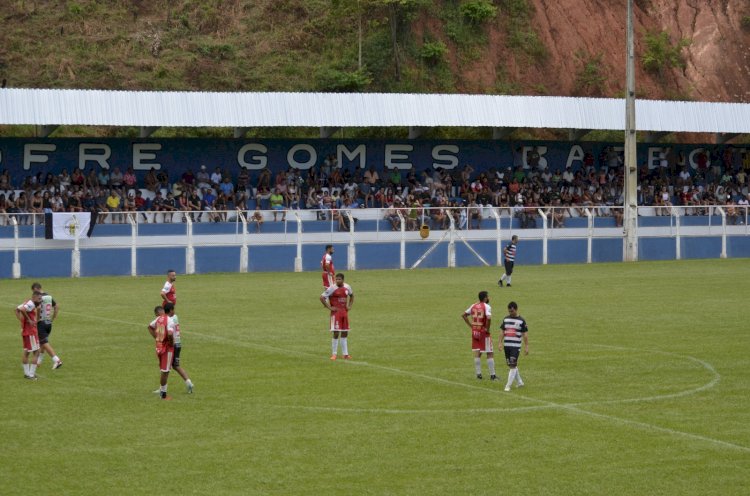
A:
[510,258]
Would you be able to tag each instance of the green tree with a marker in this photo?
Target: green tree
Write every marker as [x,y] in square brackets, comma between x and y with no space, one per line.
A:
[660,53]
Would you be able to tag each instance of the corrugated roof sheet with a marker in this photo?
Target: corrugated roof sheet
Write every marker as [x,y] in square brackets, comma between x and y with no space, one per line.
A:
[199,109]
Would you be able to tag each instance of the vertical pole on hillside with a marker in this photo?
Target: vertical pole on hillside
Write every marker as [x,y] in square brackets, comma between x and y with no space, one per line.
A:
[190,250]
[133,245]
[16,241]
[631,159]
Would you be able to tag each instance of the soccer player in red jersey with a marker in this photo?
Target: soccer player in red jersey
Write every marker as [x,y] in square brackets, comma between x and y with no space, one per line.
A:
[161,331]
[326,264]
[26,313]
[339,298]
[478,317]
[167,292]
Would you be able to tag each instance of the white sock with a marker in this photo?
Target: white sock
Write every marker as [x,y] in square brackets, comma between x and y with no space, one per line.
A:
[518,377]
[26,370]
[511,376]
[334,346]
[509,278]
[478,365]
[163,389]
[189,382]
[54,359]
[344,346]
[504,277]
[491,365]
[32,369]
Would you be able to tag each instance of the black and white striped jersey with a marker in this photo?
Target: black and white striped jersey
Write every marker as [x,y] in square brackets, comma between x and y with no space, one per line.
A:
[510,253]
[513,329]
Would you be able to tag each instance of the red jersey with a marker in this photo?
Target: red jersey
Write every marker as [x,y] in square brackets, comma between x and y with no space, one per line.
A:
[29,328]
[168,289]
[338,297]
[478,314]
[326,264]
[164,333]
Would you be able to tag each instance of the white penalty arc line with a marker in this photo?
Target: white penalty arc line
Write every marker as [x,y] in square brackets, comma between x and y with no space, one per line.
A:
[541,404]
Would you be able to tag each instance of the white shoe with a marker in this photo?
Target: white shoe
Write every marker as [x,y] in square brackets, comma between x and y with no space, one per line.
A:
[507,388]
[189,387]
[520,384]
[156,391]
[57,365]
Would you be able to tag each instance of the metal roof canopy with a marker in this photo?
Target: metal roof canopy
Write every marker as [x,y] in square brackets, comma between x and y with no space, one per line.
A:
[149,109]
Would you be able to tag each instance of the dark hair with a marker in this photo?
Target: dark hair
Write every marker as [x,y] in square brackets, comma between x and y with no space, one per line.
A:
[328,247]
[482,295]
[340,275]
[168,307]
[157,308]
[36,286]
[170,270]
[513,305]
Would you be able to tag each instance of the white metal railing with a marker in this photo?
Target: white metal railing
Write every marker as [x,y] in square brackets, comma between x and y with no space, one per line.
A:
[22,232]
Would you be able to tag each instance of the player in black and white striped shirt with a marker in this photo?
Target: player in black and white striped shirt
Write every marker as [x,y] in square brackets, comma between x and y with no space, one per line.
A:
[514,334]
[510,258]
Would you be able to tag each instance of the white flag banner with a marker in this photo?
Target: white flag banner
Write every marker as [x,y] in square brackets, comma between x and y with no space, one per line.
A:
[66,225]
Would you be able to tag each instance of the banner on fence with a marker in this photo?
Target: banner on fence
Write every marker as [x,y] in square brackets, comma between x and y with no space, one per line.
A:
[67,225]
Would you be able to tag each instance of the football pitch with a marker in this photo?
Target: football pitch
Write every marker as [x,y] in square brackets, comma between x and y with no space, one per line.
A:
[636,384]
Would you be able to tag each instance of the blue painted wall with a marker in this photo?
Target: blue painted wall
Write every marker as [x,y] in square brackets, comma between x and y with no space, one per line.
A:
[280,258]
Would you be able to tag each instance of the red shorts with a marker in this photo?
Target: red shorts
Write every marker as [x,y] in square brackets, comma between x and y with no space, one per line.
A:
[340,321]
[481,341]
[165,359]
[328,280]
[31,343]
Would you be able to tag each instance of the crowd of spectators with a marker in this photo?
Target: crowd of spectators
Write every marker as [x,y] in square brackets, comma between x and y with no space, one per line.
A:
[426,196]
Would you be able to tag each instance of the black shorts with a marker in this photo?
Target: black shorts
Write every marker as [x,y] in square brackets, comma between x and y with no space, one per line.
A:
[511,356]
[44,329]
[176,356]
[508,267]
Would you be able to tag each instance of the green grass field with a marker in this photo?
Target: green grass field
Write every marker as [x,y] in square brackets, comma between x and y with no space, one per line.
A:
[636,384]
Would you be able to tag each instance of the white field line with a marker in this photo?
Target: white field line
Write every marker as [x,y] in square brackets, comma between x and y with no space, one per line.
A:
[540,404]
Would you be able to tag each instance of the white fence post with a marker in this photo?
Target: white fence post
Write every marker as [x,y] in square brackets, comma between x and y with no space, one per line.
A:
[298,258]
[16,260]
[402,262]
[190,249]
[544,235]
[723,232]
[351,263]
[590,234]
[499,248]
[678,244]
[243,249]
[133,244]
[451,243]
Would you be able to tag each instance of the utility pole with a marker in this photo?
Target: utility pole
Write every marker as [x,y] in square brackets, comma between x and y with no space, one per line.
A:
[631,160]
